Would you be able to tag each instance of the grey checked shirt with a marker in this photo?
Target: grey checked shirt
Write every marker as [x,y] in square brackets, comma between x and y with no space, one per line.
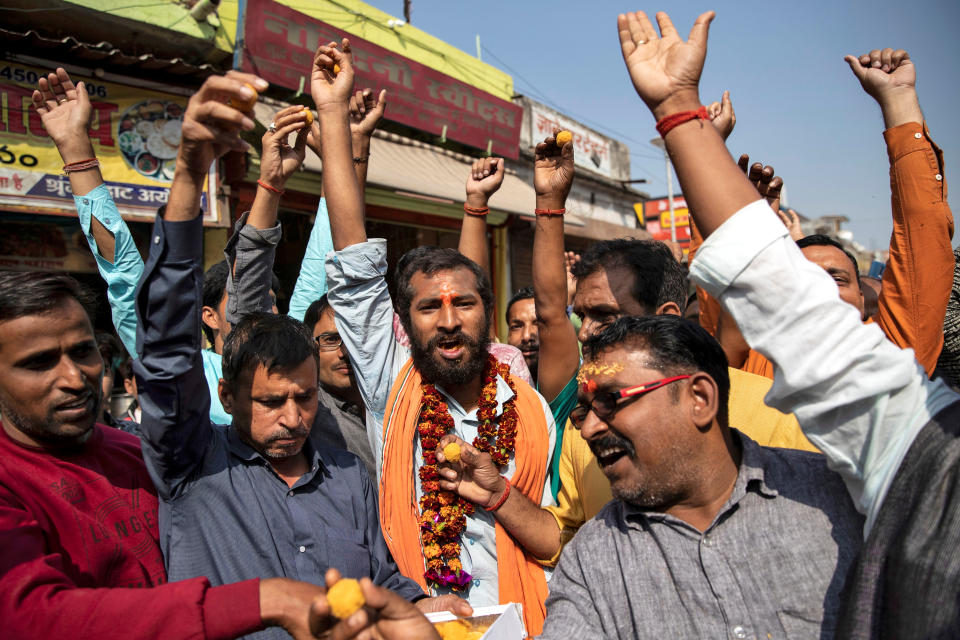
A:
[771,565]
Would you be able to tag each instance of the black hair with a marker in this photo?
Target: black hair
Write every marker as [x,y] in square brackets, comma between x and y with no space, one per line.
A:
[275,341]
[657,276]
[523,294]
[27,293]
[316,309]
[111,351]
[214,288]
[820,240]
[675,346]
[125,369]
[431,260]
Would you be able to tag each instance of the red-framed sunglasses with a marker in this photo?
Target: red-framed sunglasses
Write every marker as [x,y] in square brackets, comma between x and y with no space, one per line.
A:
[605,404]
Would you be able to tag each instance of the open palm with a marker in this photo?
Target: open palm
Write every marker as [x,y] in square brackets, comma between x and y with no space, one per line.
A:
[64,108]
[662,67]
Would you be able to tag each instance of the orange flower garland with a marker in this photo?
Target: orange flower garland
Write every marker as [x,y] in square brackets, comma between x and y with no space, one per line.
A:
[443,514]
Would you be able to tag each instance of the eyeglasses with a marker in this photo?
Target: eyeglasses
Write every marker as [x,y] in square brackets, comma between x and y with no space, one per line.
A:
[328,341]
[605,404]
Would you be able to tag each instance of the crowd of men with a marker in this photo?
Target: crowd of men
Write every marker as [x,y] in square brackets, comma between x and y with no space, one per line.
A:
[783,463]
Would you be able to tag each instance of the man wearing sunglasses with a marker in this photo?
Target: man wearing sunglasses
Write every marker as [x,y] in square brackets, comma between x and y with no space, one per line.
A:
[710,534]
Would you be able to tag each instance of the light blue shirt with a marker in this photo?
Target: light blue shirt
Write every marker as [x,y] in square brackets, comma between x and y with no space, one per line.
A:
[122,276]
[312,281]
[363,314]
[857,396]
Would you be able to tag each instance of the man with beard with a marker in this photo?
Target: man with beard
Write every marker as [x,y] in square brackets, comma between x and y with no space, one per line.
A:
[256,499]
[445,382]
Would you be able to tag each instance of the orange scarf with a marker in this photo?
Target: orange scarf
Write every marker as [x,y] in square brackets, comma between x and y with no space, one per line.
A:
[520,577]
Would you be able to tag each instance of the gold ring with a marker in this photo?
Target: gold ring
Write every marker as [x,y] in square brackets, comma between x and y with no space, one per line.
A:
[272,128]
[62,100]
[641,42]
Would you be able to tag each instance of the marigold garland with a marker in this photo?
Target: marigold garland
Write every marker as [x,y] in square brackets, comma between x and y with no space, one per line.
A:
[443,514]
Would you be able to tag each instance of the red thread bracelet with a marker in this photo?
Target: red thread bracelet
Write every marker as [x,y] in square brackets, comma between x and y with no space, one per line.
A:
[503,498]
[81,165]
[549,212]
[269,188]
[665,124]
[481,211]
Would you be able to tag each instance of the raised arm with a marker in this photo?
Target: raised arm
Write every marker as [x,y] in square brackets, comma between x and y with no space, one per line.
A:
[250,251]
[65,111]
[918,278]
[172,389]
[860,399]
[365,114]
[331,91]
[484,179]
[559,352]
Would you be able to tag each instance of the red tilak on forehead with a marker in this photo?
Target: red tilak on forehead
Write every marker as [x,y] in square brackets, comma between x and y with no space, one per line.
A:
[589,385]
[447,294]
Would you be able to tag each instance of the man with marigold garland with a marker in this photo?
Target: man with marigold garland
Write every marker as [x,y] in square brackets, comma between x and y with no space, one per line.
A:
[444,383]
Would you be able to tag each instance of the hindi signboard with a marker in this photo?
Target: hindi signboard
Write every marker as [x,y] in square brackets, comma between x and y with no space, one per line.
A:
[135,134]
[657,219]
[591,151]
[279,44]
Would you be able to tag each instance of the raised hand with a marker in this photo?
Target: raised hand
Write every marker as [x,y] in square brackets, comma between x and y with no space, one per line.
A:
[889,76]
[279,160]
[65,112]
[331,80]
[484,179]
[664,69]
[764,180]
[211,127]
[571,258]
[722,115]
[366,111]
[475,477]
[385,616]
[552,173]
[791,221]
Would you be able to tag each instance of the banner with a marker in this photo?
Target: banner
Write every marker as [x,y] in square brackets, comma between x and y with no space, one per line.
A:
[135,134]
[590,151]
[279,44]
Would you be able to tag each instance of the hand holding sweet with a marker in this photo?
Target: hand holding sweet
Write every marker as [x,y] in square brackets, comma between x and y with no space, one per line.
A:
[475,477]
[722,115]
[210,127]
[65,111]
[552,173]
[279,160]
[664,69]
[385,616]
[331,81]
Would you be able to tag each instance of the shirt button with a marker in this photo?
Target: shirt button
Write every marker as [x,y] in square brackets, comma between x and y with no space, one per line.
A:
[302,548]
[156,239]
[918,135]
[472,541]
[739,632]
[476,583]
[938,177]
[290,493]
[86,201]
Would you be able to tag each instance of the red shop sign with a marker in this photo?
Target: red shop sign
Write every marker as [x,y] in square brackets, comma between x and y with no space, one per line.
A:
[279,44]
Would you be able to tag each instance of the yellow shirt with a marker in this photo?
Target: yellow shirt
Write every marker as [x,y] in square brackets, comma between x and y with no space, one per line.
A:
[584,490]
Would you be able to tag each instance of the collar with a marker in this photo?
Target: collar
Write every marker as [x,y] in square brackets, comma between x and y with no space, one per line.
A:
[327,398]
[245,452]
[504,393]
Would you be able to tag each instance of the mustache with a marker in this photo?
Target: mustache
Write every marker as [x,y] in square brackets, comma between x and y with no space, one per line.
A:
[610,441]
[458,335]
[289,434]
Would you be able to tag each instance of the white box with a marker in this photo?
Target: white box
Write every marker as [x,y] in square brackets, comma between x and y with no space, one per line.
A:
[505,620]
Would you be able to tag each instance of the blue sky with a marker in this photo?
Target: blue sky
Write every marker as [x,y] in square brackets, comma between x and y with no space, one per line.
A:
[798,105]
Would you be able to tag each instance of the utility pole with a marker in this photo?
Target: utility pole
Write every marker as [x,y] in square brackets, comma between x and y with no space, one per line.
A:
[658,143]
[407,7]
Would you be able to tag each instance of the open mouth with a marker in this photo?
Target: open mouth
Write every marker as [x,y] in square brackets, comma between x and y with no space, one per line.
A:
[609,455]
[451,348]
[77,408]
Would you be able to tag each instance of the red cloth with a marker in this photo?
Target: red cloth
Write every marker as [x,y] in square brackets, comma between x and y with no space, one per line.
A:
[78,540]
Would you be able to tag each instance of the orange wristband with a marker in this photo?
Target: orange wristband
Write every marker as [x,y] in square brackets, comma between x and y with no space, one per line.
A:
[549,212]
[481,211]
[269,188]
[503,498]
[667,123]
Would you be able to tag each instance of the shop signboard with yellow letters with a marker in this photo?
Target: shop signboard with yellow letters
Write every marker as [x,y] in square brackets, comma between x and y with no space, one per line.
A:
[135,134]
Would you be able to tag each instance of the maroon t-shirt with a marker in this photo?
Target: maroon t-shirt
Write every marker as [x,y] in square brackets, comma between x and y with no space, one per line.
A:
[79,535]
